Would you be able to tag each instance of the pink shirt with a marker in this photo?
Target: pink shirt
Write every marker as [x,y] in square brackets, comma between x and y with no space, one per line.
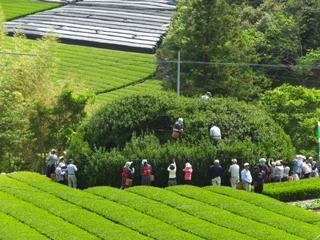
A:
[187,174]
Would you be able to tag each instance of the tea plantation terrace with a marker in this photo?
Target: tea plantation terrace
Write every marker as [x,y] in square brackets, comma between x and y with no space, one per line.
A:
[123,24]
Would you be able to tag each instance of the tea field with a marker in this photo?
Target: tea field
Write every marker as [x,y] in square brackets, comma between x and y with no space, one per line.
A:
[17,8]
[180,212]
[96,69]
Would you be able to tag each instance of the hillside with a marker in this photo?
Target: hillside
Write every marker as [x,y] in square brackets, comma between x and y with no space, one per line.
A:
[17,8]
[128,25]
[98,70]
[181,212]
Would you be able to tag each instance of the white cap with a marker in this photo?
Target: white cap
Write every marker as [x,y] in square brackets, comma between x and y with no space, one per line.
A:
[180,119]
[144,161]
[188,165]
[246,164]
[216,161]
[234,160]
[278,162]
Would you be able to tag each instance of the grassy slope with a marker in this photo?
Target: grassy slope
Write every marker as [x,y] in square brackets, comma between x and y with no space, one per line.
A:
[182,214]
[95,68]
[16,8]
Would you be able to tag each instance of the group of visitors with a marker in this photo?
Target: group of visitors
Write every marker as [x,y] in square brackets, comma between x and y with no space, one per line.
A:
[60,171]
[265,171]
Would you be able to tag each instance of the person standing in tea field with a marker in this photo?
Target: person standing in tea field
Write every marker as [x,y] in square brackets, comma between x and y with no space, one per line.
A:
[145,172]
[234,170]
[216,173]
[71,171]
[51,164]
[187,173]
[246,177]
[172,169]
[127,175]
[177,129]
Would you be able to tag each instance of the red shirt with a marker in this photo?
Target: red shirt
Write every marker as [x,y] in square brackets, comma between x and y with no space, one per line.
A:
[187,174]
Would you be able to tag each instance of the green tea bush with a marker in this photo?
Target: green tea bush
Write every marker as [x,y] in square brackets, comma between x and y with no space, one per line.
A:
[250,211]
[292,191]
[53,227]
[139,126]
[78,222]
[133,221]
[12,229]
[166,214]
[268,203]
[208,213]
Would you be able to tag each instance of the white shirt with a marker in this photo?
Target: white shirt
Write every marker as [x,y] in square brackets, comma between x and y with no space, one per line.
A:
[306,168]
[234,170]
[246,176]
[172,173]
[71,169]
[215,132]
[205,97]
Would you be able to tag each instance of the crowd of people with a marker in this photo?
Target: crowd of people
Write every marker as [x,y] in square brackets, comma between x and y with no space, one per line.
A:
[59,170]
[265,171]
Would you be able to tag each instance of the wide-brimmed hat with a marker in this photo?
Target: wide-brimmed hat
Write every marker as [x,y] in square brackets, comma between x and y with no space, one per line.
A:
[234,160]
[246,164]
[262,160]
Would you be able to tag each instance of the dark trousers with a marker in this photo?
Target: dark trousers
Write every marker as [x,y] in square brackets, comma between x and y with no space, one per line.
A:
[258,188]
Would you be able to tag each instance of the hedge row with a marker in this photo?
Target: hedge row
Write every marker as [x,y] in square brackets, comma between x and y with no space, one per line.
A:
[53,227]
[140,126]
[166,214]
[211,214]
[123,215]
[293,191]
[86,220]
[259,214]
[11,229]
[268,203]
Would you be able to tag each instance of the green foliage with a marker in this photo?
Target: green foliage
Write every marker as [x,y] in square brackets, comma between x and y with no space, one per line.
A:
[297,110]
[52,227]
[245,209]
[128,217]
[12,229]
[292,191]
[208,213]
[16,8]
[61,207]
[139,126]
[307,14]
[210,31]
[269,204]
[165,213]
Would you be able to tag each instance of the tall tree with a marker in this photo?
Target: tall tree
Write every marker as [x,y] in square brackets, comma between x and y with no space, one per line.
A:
[210,31]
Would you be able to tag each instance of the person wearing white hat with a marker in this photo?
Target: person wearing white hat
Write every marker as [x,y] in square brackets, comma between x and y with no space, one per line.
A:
[278,172]
[306,168]
[187,173]
[246,177]
[234,170]
[145,172]
[127,175]
[216,173]
[297,166]
[60,172]
[51,162]
[206,96]
[177,129]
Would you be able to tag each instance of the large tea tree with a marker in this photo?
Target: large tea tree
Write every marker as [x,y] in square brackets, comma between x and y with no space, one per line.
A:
[210,31]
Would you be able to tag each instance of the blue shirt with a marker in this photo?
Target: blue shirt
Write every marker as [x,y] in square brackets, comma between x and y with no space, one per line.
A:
[246,176]
[71,169]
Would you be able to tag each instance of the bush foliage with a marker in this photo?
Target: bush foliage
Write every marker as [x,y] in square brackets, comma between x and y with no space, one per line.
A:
[139,126]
